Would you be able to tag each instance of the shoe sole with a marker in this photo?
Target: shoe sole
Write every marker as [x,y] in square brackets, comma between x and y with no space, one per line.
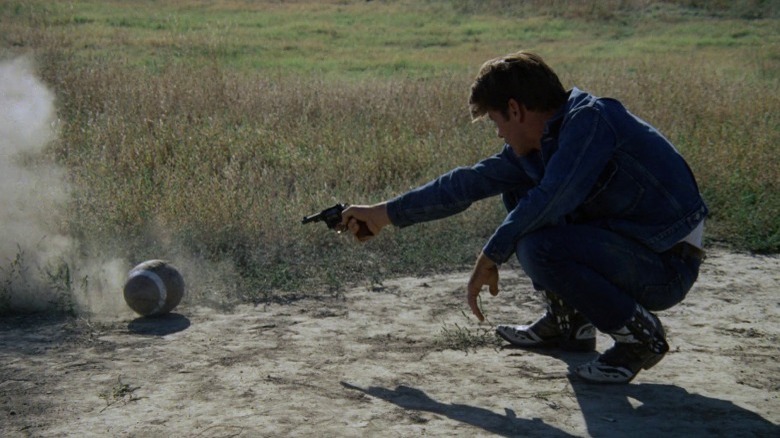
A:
[579,345]
[652,361]
[649,363]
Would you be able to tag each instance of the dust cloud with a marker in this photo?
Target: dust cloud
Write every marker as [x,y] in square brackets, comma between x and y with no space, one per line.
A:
[39,268]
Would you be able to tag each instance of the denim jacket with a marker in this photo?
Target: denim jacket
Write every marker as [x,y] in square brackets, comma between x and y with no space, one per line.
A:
[598,164]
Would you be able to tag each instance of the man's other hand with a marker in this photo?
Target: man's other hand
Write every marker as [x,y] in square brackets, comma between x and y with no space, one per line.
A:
[485,273]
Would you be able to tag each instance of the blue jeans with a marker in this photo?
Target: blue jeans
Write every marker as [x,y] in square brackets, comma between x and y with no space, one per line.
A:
[603,274]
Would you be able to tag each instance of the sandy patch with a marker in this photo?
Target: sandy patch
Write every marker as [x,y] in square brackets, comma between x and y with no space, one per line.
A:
[370,362]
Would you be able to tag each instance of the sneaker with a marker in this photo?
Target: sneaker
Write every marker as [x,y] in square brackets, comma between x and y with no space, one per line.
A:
[640,344]
[619,364]
[569,332]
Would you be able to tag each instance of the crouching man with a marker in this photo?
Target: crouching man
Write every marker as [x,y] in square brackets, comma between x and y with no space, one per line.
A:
[604,215]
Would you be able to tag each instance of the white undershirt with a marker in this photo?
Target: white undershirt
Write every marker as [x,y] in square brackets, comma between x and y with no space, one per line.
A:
[695,236]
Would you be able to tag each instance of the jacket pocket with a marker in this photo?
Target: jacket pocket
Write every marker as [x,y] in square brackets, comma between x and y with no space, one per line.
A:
[615,195]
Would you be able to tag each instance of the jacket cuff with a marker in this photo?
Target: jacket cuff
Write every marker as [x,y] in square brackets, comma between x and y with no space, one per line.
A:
[395,213]
[496,254]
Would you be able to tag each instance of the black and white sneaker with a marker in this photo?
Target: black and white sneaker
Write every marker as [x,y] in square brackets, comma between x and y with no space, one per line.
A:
[571,332]
[640,344]
[619,364]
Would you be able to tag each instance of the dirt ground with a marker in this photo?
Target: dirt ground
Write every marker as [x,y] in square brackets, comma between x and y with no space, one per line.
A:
[372,362]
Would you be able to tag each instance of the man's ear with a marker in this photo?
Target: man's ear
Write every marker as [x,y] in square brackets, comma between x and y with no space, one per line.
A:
[516,110]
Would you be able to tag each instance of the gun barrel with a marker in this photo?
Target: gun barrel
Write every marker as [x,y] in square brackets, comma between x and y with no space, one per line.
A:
[313,218]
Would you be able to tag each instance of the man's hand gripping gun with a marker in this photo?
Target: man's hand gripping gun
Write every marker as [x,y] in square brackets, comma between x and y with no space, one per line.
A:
[332,218]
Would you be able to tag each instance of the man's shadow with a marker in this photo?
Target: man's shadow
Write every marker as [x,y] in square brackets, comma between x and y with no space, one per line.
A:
[652,410]
[635,409]
[503,425]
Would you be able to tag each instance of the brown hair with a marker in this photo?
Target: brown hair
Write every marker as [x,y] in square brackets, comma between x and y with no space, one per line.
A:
[522,76]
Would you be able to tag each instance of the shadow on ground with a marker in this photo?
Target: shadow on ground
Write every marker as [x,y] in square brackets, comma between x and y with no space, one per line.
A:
[636,410]
[504,425]
[158,325]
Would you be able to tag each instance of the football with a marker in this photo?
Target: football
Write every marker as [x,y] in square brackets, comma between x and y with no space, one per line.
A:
[154,287]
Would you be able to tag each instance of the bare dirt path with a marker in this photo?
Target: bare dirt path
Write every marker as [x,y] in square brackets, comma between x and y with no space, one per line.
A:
[374,361]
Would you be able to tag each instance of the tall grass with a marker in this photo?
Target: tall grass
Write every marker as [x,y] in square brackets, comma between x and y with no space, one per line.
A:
[227,164]
[204,153]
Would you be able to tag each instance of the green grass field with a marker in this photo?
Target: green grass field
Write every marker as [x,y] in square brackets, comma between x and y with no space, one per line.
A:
[196,129]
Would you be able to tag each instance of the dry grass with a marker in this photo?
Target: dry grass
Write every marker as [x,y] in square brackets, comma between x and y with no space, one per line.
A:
[222,162]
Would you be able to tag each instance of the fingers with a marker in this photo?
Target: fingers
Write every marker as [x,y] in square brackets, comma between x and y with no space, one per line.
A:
[485,273]
[494,285]
[472,295]
[353,220]
[471,298]
[359,229]
[365,222]
[346,216]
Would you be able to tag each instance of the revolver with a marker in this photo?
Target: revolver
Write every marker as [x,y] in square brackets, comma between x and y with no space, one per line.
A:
[332,218]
